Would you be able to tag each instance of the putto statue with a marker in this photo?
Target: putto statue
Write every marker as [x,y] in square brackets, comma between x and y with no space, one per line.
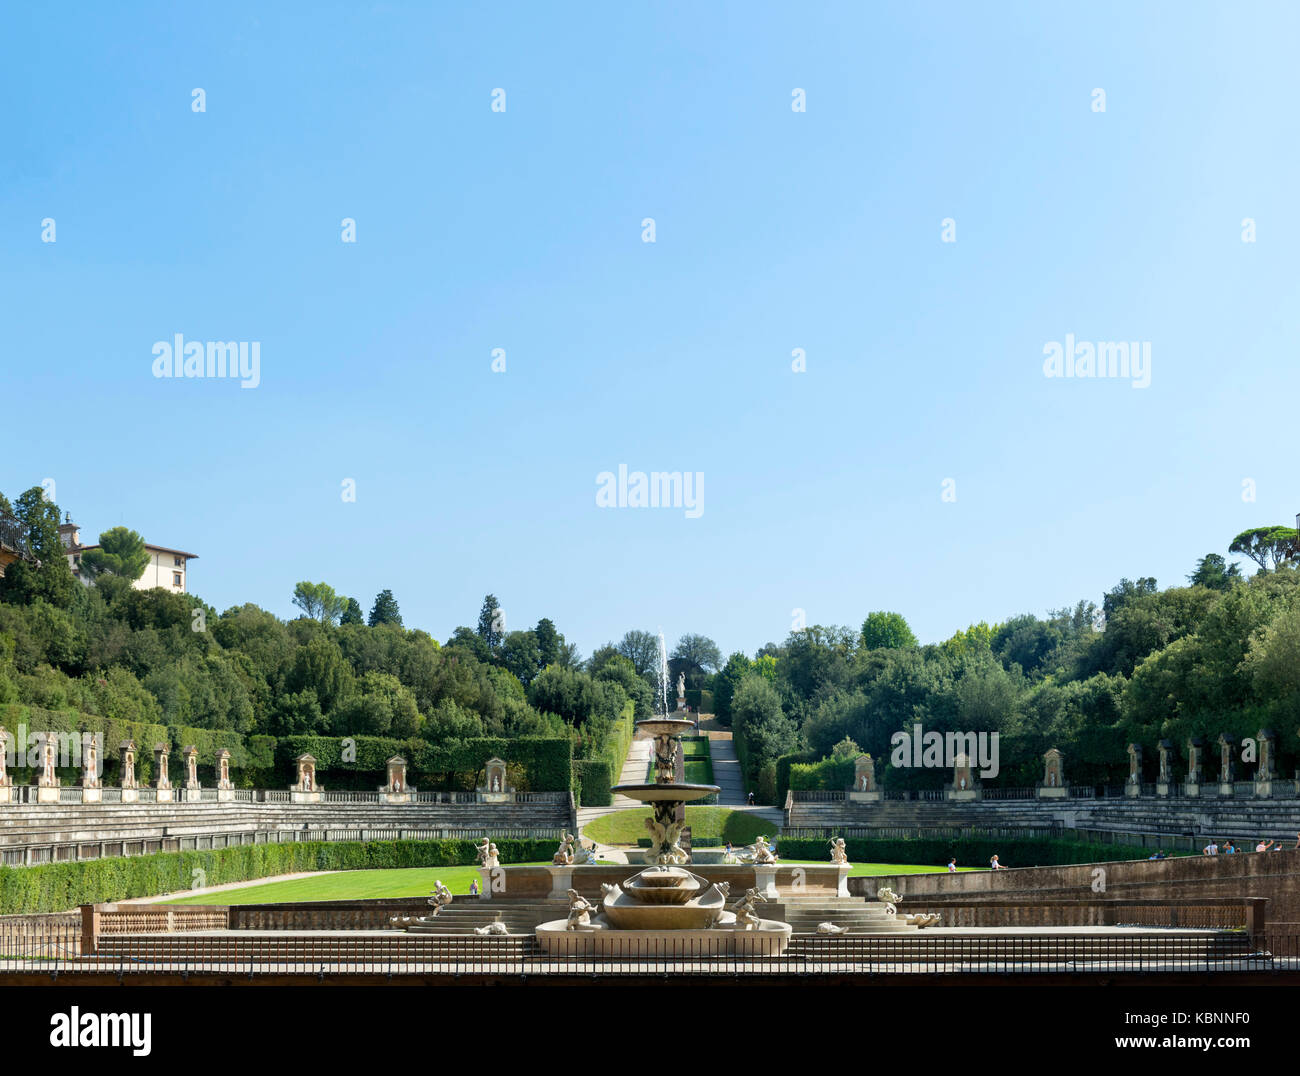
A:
[890,898]
[746,917]
[440,897]
[763,851]
[665,759]
[838,852]
[580,909]
[564,854]
[831,928]
[487,853]
[494,928]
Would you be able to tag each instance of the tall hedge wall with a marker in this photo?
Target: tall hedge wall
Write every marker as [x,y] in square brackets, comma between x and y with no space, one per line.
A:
[57,887]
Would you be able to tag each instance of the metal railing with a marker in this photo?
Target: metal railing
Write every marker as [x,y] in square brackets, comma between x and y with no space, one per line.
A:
[57,951]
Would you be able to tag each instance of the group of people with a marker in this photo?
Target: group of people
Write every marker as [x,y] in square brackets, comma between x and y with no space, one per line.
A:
[1264,845]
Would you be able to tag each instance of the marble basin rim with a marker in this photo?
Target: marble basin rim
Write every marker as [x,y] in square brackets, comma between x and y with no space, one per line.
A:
[665,726]
[677,793]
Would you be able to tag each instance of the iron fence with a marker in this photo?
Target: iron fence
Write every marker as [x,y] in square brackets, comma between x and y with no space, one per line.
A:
[57,951]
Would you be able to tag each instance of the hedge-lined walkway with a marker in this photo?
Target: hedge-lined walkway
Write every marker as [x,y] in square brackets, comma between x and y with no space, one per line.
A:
[633,772]
[726,771]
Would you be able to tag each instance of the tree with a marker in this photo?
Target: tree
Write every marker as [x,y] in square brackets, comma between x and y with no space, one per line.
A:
[519,655]
[121,553]
[1213,571]
[352,613]
[491,623]
[318,601]
[47,575]
[887,631]
[642,649]
[385,610]
[694,655]
[725,684]
[549,642]
[1267,546]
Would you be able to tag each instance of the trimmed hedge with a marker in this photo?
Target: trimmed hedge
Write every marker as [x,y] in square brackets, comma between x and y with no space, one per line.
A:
[594,777]
[970,852]
[57,887]
[827,773]
[783,766]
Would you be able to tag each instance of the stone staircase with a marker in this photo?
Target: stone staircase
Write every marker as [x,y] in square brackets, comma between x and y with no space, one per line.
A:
[860,916]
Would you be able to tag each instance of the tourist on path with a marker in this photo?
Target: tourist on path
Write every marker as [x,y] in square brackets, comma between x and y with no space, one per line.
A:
[995,865]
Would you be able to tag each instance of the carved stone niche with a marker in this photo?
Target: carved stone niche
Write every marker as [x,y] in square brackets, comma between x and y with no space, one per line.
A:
[395,789]
[306,789]
[1053,786]
[494,788]
[864,781]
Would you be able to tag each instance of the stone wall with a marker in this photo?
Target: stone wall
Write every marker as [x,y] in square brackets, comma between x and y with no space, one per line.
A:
[1275,875]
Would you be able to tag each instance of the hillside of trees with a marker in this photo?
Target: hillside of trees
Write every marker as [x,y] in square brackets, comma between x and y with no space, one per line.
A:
[1219,655]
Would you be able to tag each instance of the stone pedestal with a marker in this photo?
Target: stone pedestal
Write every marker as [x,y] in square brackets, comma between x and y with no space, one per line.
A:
[765,880]
[296,796]
[561,882]
[865,797]
[1132,790]
[1191,788]
[1225,789]
[396,797]
[192,795]
[6,794]
[1162,788]
[47,794]
[495,797]
[485,882]
[1264,788]
[165,795]
[1056,793]
[961,795]
[130,795]
[843,887]
[92,795]
[225,795]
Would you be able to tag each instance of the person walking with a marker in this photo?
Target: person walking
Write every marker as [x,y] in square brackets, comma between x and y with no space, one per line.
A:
[995,865]
[952,865]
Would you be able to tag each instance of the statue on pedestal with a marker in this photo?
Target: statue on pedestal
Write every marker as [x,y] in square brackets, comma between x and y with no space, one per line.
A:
[580,909]
[564,854]
[440,897]
[487,853]
[839,854]
[746,917]
[762,850]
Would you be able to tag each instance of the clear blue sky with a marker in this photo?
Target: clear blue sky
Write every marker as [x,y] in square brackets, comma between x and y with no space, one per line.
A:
[775,230]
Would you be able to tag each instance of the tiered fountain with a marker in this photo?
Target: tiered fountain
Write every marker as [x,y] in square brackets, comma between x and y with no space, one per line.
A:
[664,908]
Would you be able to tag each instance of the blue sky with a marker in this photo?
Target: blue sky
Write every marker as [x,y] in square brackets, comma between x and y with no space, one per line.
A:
[775,230]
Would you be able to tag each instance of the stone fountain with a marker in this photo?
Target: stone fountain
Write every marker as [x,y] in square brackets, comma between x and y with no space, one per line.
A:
[665,908]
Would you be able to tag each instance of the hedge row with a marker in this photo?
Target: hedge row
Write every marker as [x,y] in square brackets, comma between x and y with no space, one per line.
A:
[57,887]
[969,851]
[827,773]
[784,764]
[594,777]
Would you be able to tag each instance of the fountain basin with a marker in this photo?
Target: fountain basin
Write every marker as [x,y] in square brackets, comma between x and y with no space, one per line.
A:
[723,939]
[665,726]
[676,793]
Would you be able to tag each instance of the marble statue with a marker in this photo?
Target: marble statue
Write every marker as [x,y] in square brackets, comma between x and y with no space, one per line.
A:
[831,928]
[746,917]
[762,851]
[922,919]
[564,854]
[839,854]
[487,853]
[890,898]
[665,759]
[440,897]
[681,685]
[494,928]
[580,909]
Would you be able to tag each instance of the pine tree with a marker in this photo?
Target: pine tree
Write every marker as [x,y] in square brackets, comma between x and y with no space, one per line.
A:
[385,610]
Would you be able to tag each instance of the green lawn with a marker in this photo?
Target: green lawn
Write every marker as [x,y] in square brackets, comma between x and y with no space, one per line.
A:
[344,885]
[722,823]
[418,882]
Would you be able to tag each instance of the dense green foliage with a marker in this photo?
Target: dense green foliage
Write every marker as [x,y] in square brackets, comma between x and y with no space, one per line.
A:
[56,887]
[1220,656]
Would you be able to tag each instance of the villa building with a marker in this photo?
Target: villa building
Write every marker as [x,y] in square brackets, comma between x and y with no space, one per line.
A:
[166,568]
